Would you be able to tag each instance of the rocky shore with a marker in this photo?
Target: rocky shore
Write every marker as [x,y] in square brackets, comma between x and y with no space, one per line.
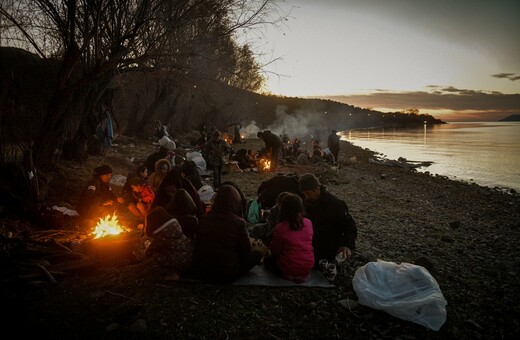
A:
[466,235]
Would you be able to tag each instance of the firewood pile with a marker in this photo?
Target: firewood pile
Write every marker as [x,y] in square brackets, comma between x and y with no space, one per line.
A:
[40,257]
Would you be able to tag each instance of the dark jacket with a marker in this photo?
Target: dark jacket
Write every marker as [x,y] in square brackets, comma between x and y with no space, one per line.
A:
[333,226]
[223,247]
[182,207]
[93,196]
[215,150]
[174,178]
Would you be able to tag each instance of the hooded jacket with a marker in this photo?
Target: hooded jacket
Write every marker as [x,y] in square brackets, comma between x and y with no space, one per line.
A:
[223,245]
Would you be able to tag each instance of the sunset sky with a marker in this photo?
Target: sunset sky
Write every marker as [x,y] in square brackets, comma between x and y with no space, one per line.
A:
[457,60]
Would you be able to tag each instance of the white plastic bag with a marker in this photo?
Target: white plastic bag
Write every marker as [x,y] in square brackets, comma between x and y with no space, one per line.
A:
[206,193]
[196,157]
[406,291]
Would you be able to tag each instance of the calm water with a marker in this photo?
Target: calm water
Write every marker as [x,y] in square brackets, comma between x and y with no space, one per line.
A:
[485,153]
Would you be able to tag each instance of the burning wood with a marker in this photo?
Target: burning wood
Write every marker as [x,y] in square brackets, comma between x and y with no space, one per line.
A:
[109,225]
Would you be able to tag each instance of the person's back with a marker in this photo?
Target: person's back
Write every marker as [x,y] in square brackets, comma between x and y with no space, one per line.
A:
[182,207]
[190,171]
[172,248]
[291,246]
[154,157]
[223,250]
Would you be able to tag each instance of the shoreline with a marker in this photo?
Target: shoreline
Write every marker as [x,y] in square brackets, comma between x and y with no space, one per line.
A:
[455,161]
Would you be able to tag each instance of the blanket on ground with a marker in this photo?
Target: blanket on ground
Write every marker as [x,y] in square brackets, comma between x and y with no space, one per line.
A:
[260,276]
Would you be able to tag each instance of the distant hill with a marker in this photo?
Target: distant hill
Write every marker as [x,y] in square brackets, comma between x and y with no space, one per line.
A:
[512,118]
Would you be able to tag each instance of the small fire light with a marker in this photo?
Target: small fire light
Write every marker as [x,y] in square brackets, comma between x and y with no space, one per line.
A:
[265,164]
[109,225]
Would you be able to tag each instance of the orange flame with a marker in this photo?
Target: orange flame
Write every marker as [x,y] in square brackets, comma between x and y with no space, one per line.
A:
[109,225]
[265,163]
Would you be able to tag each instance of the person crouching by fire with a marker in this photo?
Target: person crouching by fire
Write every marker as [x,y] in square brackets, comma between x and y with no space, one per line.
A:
[97,198]
[273,145]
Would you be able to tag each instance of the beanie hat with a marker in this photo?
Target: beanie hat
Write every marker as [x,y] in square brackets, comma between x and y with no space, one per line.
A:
[308,182]
[156,219]
[103,170]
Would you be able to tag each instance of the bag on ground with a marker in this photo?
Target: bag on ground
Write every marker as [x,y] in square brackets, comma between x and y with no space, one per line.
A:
[406,291]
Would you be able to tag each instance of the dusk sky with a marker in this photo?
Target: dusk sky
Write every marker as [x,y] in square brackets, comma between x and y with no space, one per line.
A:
[455,59]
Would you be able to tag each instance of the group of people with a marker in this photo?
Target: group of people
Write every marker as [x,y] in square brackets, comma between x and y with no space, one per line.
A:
[219,245]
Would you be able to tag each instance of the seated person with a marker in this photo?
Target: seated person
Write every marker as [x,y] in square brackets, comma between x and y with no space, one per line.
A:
[335,230]
[169,245]
[140,201]
[264,231]
[154,157]
[171,183]
[292,255]
[162,167]
[182,207]
[140,172]
[97,199]
[223,251]
[191,172]
[317,156]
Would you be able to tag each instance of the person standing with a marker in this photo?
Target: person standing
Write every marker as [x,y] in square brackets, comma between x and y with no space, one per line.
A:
[215,150]
[335,230]
[333,144]
[273,145]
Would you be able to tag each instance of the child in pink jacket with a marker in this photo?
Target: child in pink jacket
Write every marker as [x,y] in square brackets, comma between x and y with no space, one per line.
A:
[292,254]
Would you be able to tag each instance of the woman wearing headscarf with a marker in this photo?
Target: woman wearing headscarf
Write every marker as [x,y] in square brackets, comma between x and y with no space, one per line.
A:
[170,184]
[223,250]
[182,207]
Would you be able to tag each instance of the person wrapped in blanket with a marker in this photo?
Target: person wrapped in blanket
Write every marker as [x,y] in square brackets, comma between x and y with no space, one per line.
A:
[169,246]
[223,251]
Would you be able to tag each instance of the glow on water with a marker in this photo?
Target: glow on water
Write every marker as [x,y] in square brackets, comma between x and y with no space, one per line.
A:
[485,153]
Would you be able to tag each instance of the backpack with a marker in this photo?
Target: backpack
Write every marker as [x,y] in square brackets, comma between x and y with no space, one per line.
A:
[253,212]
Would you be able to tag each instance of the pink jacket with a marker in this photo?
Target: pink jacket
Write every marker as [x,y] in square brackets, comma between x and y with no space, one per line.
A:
[293,250]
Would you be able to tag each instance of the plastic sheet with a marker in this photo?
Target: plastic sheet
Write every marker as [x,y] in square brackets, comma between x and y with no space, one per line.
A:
[406,291]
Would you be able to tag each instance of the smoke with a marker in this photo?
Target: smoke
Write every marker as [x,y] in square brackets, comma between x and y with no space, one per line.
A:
[301,124]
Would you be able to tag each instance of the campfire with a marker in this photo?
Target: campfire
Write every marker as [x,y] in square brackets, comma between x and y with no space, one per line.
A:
[109,225]
[264,164]
[111,243]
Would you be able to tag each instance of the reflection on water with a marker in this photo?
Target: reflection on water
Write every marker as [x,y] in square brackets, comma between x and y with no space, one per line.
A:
[486,153]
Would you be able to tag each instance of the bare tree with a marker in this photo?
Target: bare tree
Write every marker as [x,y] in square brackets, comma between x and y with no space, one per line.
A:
[96,40]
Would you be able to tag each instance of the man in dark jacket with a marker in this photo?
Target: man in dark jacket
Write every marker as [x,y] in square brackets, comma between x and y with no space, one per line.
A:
[333,144]
[97,198]
[273,145]
[335,230]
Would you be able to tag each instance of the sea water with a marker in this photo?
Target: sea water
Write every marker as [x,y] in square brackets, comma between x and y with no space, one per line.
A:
[486,153]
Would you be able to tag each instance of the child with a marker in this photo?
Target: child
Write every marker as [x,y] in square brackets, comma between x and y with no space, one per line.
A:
[142,198]
[292,254]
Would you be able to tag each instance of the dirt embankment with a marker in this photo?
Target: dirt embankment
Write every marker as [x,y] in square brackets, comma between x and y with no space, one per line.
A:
[467,236]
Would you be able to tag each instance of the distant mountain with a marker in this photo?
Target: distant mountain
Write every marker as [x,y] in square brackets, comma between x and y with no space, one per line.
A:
[512,118]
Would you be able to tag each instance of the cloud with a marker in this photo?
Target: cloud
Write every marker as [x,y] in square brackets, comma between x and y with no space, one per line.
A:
[440,98]
[510,76]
